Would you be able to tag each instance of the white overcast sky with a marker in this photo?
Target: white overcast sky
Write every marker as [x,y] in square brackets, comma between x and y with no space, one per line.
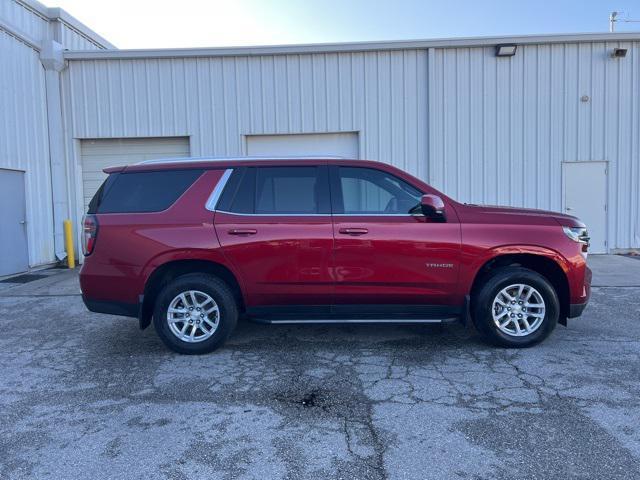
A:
[210,23]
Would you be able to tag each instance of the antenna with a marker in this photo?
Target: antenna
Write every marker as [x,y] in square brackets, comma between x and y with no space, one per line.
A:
[613,18]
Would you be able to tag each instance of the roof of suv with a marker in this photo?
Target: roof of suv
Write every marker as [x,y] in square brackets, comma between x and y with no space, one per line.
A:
[227,162]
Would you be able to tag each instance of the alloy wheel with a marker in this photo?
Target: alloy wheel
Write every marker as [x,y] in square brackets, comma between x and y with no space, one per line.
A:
[193,316]
[518,310]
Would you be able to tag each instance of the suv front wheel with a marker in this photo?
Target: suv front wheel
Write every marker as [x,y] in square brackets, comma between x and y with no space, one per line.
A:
[195,313]
[515,307]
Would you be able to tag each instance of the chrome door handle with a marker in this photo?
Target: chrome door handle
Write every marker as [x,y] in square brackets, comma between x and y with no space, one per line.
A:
[243,231]
[353,231]
[568,209]
[23,222]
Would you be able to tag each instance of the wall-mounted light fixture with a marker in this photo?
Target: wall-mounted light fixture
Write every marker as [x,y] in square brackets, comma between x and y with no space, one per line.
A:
[506,50]
[619,53]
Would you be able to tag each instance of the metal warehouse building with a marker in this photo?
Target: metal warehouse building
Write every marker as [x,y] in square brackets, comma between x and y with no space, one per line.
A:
[554,126]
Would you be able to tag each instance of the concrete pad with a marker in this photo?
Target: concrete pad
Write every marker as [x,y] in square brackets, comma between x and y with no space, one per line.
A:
[614,271]
[58,282]
[85,395]
[90,396]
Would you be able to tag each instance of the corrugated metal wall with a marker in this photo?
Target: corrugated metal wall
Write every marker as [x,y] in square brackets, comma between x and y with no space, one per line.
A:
[72,39]
[25,19]
[481,128]
[500,128]
[218,100]
[24,135]
[24,143]
[36,25]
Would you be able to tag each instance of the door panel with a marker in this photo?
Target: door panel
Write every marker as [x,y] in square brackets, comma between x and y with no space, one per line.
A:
[401,259]
[585,196]
[287,259]
[278,233]
[14,255]
[384,254]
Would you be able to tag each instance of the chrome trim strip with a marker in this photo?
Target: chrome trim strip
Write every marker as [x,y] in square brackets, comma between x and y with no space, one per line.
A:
[364,320]
[276,214]
[212,201]
[375,215]
[317,214]
[263,158]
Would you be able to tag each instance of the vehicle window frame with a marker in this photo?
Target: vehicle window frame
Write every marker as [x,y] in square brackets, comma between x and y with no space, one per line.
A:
[227,199]
[112,180]
[337,197]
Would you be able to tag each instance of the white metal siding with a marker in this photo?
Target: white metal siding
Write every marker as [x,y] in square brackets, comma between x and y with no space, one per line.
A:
[39,27]
[24,139]
[100,154]
[481,128]
[72,39]
[341,144]
[219,100]
[24,19]
[500,128]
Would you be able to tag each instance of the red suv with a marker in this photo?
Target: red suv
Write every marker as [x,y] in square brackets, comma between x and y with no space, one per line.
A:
[193,245]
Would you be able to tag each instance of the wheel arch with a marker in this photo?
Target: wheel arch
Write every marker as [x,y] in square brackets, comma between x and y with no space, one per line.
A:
[164,273]
[544,263]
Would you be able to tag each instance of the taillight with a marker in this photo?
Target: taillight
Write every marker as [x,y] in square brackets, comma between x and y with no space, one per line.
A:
[89,233]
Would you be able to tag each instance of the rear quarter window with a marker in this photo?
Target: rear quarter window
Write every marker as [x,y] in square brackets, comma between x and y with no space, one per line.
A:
[140,192]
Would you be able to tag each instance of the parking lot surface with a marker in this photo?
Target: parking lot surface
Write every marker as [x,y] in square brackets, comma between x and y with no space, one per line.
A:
[90,396]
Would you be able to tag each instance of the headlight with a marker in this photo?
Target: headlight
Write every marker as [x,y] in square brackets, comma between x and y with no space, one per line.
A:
[578,234]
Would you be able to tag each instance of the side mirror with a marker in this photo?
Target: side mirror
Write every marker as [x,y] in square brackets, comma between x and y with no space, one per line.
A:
[432,206]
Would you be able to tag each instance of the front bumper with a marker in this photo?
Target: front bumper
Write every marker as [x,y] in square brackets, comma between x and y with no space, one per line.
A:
[576,309]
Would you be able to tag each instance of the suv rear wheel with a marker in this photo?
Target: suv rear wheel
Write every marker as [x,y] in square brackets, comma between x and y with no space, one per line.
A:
[195,313]
[515,307]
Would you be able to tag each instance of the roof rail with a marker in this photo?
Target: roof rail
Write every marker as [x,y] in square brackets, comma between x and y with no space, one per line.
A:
[227,159]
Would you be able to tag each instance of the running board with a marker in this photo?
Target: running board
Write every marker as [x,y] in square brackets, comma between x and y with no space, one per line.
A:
[343,321]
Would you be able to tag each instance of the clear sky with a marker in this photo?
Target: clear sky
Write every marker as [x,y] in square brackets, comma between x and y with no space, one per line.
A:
[211,23]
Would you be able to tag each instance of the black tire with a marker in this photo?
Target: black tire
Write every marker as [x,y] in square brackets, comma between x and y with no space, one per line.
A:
[218,290]
[482,305]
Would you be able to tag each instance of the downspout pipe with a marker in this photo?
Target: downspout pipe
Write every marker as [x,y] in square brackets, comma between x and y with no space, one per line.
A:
[51,56]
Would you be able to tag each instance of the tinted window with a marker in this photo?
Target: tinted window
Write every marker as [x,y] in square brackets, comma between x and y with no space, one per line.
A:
[145,191]
[276,191]
[281,190]
[97,198]
[370,191]
[243,200]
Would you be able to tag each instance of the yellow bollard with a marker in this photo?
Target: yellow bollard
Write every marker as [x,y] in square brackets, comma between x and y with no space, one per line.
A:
[68,242]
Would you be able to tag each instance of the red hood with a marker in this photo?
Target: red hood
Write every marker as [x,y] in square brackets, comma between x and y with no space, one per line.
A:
[504,215]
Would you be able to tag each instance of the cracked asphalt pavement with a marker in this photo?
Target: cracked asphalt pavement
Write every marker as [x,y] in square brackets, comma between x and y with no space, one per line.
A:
[90,396]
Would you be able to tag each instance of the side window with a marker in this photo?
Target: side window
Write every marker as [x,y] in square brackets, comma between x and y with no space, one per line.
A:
[277,191]
[95,202]
[289,190]
[143,191]
[369,191]
[239,192]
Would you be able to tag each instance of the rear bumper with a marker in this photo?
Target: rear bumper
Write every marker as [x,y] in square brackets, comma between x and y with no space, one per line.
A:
[111,308]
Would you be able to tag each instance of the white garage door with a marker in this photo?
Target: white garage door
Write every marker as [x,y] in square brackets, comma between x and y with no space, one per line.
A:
[99,154]
[315,144]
